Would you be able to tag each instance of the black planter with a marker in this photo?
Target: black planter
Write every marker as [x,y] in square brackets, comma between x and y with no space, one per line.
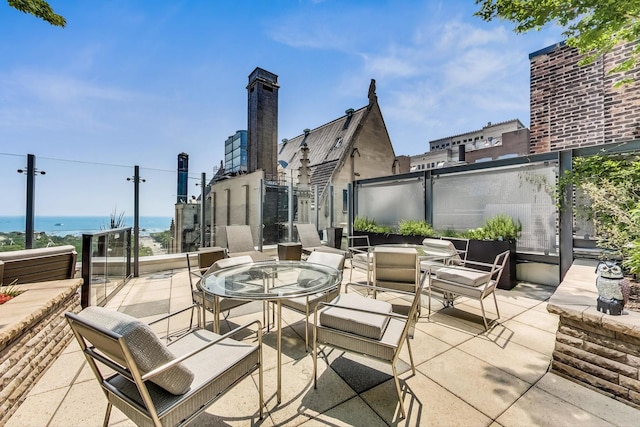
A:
[376,239]
[486,251]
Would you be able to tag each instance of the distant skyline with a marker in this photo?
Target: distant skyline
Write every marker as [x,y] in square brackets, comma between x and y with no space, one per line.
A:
[136,82]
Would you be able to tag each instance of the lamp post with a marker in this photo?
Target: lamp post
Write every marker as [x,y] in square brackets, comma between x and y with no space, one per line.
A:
[31,172]
[136,218]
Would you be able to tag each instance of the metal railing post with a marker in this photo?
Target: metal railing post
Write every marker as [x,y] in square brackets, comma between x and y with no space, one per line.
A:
[31,188]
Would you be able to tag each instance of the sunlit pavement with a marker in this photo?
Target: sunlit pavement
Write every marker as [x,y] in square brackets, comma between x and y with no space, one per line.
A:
[464,375]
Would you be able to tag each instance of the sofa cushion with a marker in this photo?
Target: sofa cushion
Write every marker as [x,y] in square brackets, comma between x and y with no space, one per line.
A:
[463,276]
[147,350]
[368,325]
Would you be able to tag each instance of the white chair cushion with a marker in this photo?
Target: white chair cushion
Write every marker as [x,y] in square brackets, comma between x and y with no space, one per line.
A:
[364,324]
[147,350]
[442,248]
[463,276]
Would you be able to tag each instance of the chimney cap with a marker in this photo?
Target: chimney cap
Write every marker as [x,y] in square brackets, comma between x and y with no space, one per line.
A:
[349,111]
[306,131]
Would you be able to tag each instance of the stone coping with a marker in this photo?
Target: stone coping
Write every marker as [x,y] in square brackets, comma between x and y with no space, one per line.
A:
[575,298]
[38,299]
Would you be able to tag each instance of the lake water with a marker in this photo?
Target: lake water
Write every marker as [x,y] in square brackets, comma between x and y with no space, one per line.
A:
[63,225]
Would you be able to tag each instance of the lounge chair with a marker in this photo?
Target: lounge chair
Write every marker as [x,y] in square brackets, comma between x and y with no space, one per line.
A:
[157,384]
[361,254]
[366,326]
[206,302]
[240,243]
[308,235]
[306,305]
[476,283]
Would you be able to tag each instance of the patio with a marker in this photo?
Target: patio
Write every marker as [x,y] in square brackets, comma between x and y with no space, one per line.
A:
[464,376]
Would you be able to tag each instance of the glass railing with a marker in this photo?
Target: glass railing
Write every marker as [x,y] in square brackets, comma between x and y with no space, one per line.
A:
[106,264]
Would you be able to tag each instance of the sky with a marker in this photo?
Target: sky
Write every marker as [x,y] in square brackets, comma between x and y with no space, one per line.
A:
[136,82]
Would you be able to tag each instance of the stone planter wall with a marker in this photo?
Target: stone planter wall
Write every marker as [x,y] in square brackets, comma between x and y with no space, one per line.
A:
[33,332]
[595,349]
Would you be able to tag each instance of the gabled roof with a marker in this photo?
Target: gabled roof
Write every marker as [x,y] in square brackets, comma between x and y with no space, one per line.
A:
[327,145]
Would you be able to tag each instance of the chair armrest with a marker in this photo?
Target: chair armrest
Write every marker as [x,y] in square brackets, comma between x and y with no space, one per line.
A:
[166,316]
[192,353]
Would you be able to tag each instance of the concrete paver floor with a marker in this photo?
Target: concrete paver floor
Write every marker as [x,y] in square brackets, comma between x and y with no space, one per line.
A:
[464,375]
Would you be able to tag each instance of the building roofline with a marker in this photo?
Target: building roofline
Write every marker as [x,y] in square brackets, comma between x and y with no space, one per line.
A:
[546,50]
[478,130]
[326,124]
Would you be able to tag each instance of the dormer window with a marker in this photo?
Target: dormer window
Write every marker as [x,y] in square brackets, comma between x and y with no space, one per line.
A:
[338,142]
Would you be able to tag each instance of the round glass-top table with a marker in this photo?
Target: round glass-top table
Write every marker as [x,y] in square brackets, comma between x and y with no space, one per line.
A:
[271,281]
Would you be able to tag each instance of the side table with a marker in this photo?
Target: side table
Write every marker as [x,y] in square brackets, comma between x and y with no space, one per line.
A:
[290,251]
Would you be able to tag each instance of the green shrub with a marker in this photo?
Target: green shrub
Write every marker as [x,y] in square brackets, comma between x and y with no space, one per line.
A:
[408,227]
[369,225]
[500,227]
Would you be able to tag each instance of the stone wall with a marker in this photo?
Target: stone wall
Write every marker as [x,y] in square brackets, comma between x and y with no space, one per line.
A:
[576,105]
[32,335]
[595,349]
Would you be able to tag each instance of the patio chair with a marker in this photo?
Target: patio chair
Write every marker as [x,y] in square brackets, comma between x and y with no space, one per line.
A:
[157,384]
[310,239]
[306,305]
[475,283]
[441,252]
[361,253]
[206,302]
[366,326]
[240,243]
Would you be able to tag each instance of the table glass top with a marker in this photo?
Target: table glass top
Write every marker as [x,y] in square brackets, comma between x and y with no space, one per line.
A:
[271,280]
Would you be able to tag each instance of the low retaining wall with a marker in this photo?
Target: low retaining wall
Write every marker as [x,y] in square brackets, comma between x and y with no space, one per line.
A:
[595,349]
[33,332]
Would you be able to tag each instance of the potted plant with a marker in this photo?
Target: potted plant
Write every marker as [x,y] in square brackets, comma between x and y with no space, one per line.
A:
[378,234]
[414,231]
[407,231]
[497,235]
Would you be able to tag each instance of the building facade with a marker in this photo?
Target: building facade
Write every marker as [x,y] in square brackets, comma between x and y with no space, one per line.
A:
[575,105]
[351,147]
[492,142]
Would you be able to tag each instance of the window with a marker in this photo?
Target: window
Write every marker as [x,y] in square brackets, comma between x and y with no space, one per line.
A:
[345,201]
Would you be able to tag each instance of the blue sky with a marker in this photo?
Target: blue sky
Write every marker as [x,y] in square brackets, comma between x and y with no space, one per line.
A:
[137,82]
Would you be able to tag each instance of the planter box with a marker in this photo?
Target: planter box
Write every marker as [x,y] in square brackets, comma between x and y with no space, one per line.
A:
[376,239]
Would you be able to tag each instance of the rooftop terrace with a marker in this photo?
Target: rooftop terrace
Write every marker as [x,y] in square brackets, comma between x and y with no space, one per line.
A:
[464,375]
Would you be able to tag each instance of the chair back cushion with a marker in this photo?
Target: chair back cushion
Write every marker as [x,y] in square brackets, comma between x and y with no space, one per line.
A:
[464,276]
[329,259]
[308,235]
[239,238]
[364,324]
[147,351]
[442,249]
[395,265]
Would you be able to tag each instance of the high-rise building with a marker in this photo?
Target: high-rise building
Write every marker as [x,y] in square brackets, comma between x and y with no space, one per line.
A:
[262,134]
[235,152]
[183,174]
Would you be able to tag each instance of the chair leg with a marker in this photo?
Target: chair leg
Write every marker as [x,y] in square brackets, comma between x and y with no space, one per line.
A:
[107,415]
[413,366]
[484,316]
[315,356]
[495,301]
[399,391]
